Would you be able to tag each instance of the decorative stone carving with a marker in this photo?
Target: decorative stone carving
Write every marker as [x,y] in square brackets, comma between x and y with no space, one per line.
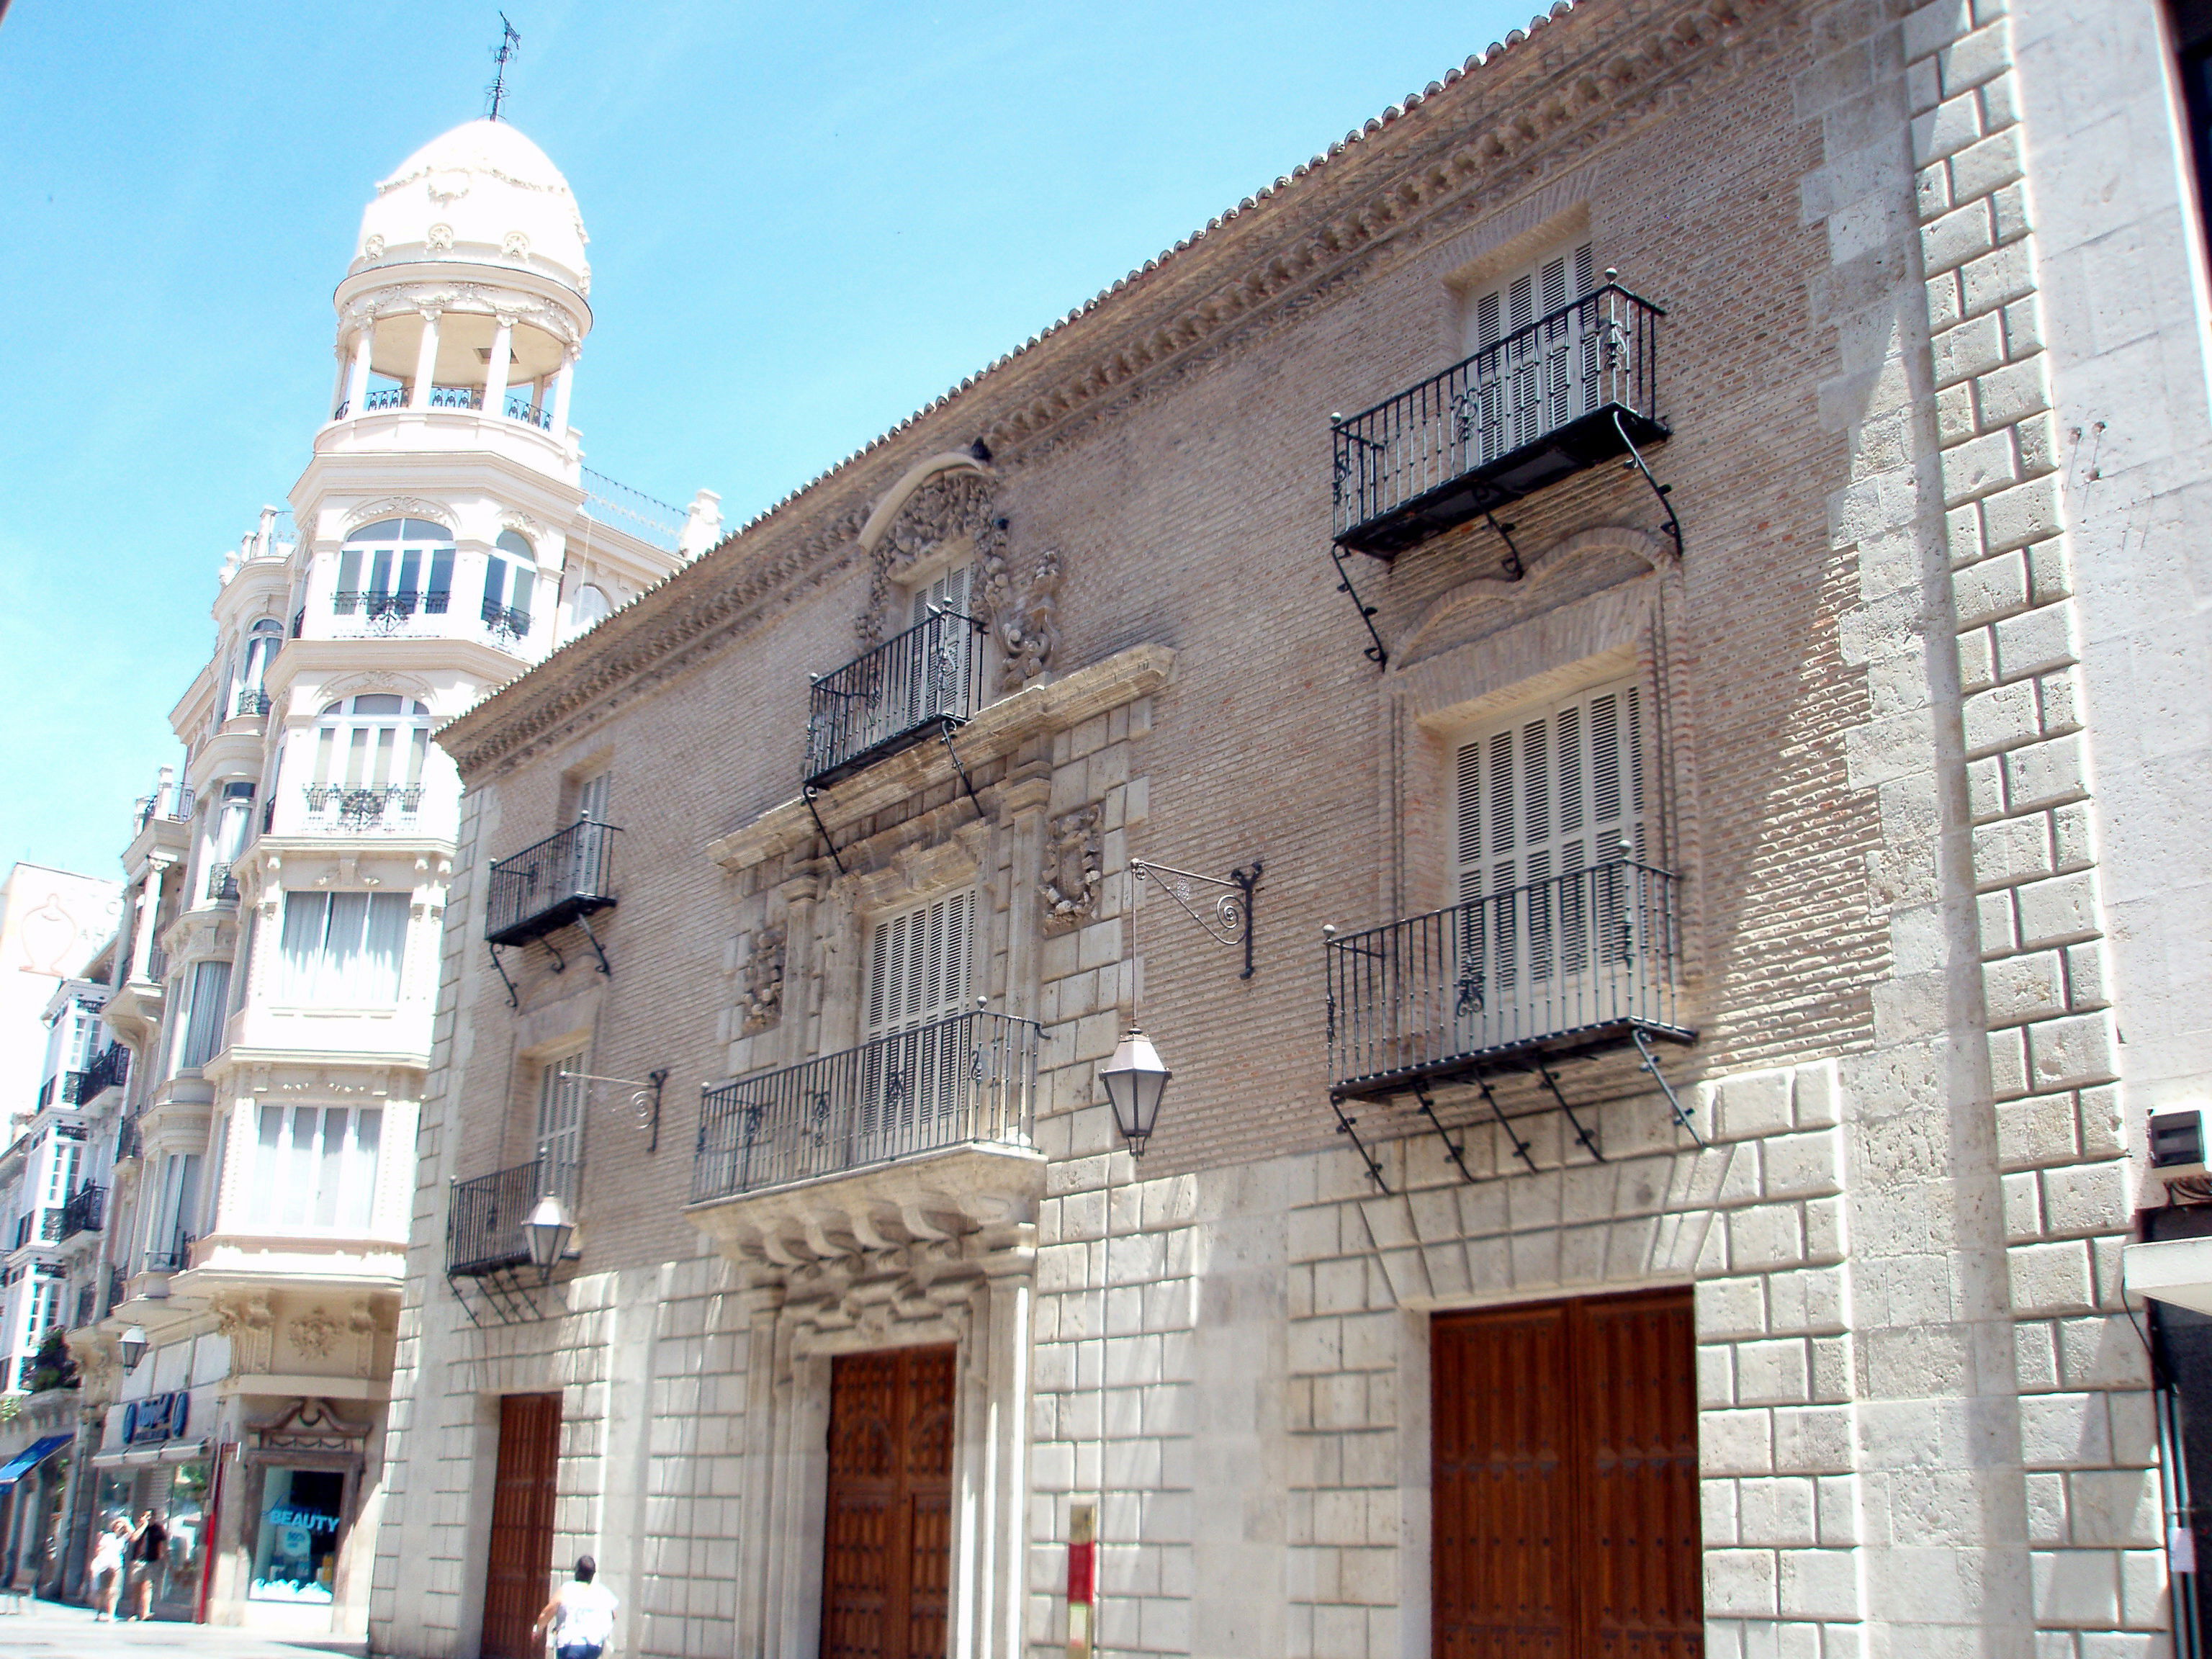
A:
[516,246]
[373,247]
[313,1332]
[398,507]
[764,993]
[1074,868]
[441,239]
[950,508]
[1027,626]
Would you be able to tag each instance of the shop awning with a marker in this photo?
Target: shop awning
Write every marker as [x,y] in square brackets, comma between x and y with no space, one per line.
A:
[30,1457]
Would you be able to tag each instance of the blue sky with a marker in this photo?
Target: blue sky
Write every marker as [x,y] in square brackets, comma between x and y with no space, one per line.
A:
[806,222]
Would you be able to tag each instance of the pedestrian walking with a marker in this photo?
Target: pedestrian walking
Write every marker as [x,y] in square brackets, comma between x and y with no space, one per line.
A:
[107,1559]
[149,1542]
[581,1615]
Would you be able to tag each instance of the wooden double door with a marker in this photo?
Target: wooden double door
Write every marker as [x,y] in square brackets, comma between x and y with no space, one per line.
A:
[887,1544]
[519,1574]
[1565,1495]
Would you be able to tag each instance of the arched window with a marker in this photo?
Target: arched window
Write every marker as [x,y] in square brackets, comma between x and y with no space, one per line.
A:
[370,751]
[262,641]
[390,571]
[589,610]
[510,574]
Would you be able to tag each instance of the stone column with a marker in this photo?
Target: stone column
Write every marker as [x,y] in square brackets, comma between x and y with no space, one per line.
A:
[357,377]
[561,383]
[426,364]
[800,954]
[1025,802]
[149,911]
[502,356]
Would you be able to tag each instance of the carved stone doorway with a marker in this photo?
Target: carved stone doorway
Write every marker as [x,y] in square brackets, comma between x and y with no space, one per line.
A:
[887,1534]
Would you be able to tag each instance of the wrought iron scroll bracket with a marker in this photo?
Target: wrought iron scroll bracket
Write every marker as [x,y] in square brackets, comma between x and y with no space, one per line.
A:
[1516,569]
[1378,653]
[1228,920]
[560,962]
[1346,1125]
[513,1000]
[645,1101]
[811,792]
[1636,463]
[598,949]
[1504,1124]
[1456,1152]
[1650,1061]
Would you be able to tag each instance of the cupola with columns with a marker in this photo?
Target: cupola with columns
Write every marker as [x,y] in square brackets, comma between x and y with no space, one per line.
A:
[467,290]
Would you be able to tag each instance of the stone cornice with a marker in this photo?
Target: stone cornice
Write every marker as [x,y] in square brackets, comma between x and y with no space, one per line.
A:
[1458,150]
[998,731]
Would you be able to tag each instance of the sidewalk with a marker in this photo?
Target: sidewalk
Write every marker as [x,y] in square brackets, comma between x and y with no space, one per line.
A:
[66,1633]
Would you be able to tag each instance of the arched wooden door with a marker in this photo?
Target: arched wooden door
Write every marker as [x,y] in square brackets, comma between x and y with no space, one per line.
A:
[1564,1497]
[887,1545]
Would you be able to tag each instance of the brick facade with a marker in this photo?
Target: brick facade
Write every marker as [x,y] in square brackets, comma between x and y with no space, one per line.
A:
[1924,1417]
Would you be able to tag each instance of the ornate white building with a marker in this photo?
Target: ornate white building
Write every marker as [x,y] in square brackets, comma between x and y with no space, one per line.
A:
[281,953]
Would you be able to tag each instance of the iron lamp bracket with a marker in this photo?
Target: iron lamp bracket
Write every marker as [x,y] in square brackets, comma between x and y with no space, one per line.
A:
[1225,915]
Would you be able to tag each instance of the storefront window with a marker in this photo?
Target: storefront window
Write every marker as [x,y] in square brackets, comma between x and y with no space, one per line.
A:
[295,1554]
[114,1499]
[187,1524]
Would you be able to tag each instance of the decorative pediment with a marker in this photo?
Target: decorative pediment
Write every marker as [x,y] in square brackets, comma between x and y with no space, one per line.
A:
[398,507]
[310,1425]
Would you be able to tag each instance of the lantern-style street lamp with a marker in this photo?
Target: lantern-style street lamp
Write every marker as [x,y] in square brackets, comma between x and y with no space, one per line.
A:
[547,1232]
[1135,1078]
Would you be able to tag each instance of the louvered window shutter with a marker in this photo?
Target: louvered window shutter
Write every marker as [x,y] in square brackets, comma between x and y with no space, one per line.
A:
[945,591]
[1556,791]
[918,966]
[1539,380]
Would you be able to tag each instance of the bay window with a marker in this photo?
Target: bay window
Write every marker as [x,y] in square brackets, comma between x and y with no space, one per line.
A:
[343,950]
[315,1167]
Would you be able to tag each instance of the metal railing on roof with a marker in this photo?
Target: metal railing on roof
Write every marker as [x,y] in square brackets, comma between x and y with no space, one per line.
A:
[615,503]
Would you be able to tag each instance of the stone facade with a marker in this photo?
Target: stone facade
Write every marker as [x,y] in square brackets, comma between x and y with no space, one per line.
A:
[1871,657]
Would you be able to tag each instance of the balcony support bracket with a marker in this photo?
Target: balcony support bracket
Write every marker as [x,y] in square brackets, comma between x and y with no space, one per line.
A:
[560,962]
[1582,1132]
[1347,1125]
[1636,463]
[1378,653]
[1649,1061]
[810,792]
[598,949]
[1513,565]
[505,1298]
[1453,1149]
[499,967]
[966,782]
[1504,1124]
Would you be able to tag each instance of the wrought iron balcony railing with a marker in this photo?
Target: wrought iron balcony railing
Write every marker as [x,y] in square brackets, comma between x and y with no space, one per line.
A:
[127,1141]
[39,1227]
[116,1294]
[388,612]
[911,688]
[506,622]
[456,397]
[1566,393]
[563,878]
[352,808]
[174,1259]
[172,804]
[484,1221]
[537,415]
[383,396]
[250,702]
[109,1069]
[69,1087]
[1575,961]
[963,1080]
[85,1212]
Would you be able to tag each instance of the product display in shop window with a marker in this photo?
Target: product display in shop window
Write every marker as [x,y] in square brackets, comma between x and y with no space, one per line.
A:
[295,1549]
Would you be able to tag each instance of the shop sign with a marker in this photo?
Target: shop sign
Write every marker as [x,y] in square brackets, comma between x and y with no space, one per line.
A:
[157,1416]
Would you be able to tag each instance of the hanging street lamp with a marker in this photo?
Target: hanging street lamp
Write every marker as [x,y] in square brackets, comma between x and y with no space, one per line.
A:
[1135,1078]
[548,1232]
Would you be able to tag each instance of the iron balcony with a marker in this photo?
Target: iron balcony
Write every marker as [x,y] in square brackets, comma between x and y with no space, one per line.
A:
[85,1211]
[174,1259]
[1582,961]
[484,1221]
[109,1069]
[1571,390]
[924,682]
[362,806]
[556,881]
[966,1079]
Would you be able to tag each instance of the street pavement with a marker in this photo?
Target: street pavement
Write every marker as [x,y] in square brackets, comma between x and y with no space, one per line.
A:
[50,1630]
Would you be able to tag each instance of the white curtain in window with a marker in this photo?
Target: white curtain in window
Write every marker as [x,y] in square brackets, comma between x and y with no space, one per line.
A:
[316,1167]
[210,1003]
[344,950]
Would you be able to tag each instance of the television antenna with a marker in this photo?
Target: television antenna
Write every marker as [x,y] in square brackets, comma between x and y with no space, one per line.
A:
[508,40]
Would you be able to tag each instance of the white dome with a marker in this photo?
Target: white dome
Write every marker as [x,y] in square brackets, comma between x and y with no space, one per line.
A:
[484,194]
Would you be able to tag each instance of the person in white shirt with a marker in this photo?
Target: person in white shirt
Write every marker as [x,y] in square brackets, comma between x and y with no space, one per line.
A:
[581,1615]
[107,1567]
